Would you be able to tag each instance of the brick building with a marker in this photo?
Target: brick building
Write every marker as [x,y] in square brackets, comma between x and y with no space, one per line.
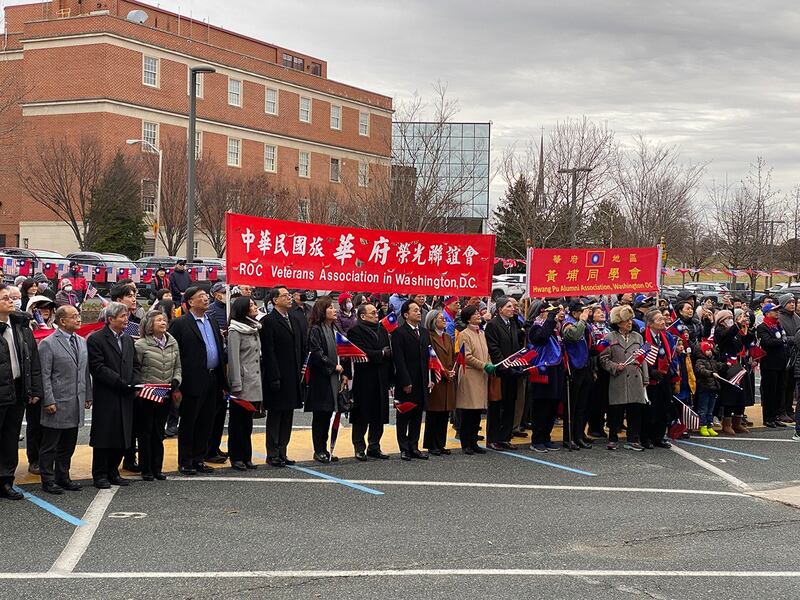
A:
[83,68]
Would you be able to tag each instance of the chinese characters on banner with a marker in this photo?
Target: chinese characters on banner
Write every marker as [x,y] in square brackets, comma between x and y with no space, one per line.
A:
[268,252]
[590,272]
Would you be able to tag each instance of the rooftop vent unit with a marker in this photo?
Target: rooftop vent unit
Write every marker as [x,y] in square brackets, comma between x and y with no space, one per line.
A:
[137,16]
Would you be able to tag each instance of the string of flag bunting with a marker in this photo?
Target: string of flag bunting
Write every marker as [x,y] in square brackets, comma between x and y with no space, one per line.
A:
[58,269]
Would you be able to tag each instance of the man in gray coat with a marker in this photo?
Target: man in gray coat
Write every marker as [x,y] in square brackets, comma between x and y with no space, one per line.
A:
[67,390]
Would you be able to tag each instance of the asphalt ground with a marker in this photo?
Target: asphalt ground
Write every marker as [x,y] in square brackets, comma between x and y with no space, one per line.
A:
[660,524]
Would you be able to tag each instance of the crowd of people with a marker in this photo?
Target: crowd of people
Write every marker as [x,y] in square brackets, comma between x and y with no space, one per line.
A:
[603,366]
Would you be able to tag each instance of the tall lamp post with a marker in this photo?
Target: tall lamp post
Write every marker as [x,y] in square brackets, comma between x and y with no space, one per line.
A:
[573,171]
[156,221]
[193,72]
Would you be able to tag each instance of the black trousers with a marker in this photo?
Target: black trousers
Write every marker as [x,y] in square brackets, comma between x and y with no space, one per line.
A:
[279,432]
[409,425]
[105,462]
[500,413]
[598,401]
[373,429]
[544,411]
[320,423]
[149,420]
[55,455]
[240,430]
[655,417]
[771,393]
[633,416]
[33,431]
[435,430]
[10,426]
[470,423]
[787,406]
[215,439]
[580,386]
[197,419]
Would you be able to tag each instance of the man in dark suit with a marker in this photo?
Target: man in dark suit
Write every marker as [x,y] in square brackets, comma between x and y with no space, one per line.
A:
[283,350]
[502,339]
[20,384]
[203,361]
[115,371]
[412,383]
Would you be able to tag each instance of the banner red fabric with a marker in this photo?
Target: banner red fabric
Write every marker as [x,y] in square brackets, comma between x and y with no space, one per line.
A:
[268,252]
[84,331]
[592,271]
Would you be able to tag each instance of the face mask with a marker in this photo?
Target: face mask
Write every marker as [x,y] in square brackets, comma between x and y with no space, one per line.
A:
[17,303]
[43,286]
[348,306]
[67,288]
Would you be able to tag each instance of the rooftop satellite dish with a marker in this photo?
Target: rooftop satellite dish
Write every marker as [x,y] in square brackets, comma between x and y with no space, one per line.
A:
[137,16]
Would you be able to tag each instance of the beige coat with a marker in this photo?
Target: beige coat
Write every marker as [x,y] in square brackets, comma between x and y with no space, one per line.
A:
[473,382]
[443,394]
[628,386]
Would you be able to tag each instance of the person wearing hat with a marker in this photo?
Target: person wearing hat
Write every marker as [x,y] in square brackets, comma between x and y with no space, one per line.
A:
[733,337]
[346,315]
[218,309]
[66,295]
[707,368]
[577,341]
[773,341]
[627,379]
[79,285]
[203,367]
[179,281]
[790,321]
[44,287]
[160,280]
[503,340]
[452,318]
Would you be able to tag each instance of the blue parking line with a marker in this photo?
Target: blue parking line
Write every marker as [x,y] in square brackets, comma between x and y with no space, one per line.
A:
[547,463]
[718,449]
[350,484]
[54,510]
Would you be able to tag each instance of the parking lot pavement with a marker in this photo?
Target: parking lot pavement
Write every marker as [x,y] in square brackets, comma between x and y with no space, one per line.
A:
[620,524]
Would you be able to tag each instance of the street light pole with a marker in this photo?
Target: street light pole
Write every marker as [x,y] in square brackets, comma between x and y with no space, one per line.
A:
[193,72]
[573,205]
[156,220]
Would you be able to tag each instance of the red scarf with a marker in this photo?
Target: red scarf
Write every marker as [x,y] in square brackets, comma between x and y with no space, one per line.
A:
[772,323]
[664,360]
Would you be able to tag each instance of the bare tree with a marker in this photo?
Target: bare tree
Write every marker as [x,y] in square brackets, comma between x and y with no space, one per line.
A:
[61,176]
[697,250]
[790,250]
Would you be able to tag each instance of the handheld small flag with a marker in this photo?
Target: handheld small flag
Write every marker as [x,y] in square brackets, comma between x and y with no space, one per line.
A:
[155,392]
[640,355]
[521,358]
[435,365]
[404,407]
[678,329]
[347,349]
[461,358]
[389,322]
[652,354]
[245,404]
[132,329]
[305,373]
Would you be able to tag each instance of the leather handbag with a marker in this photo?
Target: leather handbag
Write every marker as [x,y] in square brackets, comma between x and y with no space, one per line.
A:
[344,401]
[495,389]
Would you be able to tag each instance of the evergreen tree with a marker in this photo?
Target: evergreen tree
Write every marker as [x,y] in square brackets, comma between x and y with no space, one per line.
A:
[509,218]
[116,215]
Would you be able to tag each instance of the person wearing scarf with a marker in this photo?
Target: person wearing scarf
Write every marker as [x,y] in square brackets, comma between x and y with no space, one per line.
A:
[773,340]
[244,376]
[733,337]
[684,382]
[598,407]
[659,389]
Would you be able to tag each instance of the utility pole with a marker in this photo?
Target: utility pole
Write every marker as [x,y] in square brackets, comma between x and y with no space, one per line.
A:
[772,224]
[573,205]
[193,74]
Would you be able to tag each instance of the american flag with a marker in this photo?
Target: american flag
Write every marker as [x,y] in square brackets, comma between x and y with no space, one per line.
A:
[156,392]
[347,349]
[641,354]
[737,379]
[688,417]
[305,374]
[652,354]
[521,358]
[132,329]
[389,322]
[435,365]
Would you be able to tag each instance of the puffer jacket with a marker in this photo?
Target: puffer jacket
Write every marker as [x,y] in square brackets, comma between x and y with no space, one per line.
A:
[159,366]
[704,370]
[28,357]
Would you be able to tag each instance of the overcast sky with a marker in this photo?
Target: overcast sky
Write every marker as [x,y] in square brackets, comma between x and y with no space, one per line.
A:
[718,78]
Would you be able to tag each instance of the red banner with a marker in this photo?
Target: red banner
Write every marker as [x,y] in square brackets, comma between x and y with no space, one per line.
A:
[592,271]
[268,252]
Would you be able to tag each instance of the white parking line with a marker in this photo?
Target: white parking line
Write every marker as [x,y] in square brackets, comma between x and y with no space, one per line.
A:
[83,535]
[751,439]
[712,469]
[470,484]
[311,574]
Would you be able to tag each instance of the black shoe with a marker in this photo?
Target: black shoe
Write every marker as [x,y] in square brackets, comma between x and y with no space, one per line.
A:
[588,440]
[446,452]
[468,450]
[120,481]
[251,465]
[33,467]
[597,434]
[170,432]
[239,465]
[648,445]
[160,476]
[519,434]
[780,424]
[419,455]
[276,462]
[217,459]
[203,468]
[223,453]
[480,438]
[322,457]
[377,454]
[51,487]
[102,484]
[507,445]
[187,471]
[148,477]
[70,485]
[131,467]
[571,446]
[361,456]
[405,455]
[770,424]
[288,461]
[434,452]
[584,444]
[663,444]
[478,450]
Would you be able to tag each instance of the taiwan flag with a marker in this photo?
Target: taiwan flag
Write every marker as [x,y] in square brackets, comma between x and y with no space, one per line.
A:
[389,322]
[435,365]
[347,349]
[123,273]
[596,259]
[461,358]
[24,267]
[49,270]
[211,273]
[100,274]
[192,273]
[147,275]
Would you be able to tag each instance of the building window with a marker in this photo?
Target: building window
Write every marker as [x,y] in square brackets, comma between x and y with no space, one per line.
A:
[302,207]
[335,170]
[270,158]
[150,71]
[198,144]
[336,117]
[198,82]
[271,102]
[298,64]
[287,60]
[305,109]
[316,68]
[149,134]
[292,62]
[195,248]
[363,174]
[304,164]
[234,92]
[149,196]
[234,152]
[363,123]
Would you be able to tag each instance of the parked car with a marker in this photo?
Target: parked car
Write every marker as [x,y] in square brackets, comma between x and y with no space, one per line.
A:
[509,284]
[39,256]
[97,259]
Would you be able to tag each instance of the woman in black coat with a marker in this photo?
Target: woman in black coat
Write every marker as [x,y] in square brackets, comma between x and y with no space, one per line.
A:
[773,340]
[733,337]
[326,375]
